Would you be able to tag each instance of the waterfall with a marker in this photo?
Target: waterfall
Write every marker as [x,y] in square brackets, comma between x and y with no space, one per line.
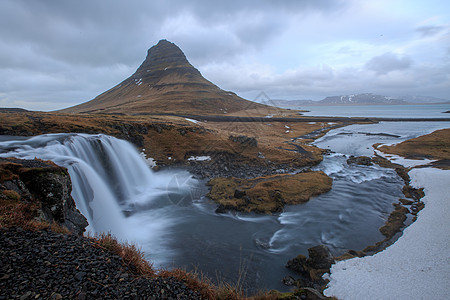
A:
[108,175]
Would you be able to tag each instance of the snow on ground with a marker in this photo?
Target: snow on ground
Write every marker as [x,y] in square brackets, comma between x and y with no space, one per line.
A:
[192,120]
[409,163]
[200,158]
[417,266]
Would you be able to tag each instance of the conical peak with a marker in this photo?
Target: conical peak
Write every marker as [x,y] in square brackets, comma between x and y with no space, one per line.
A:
[165,50]
[164,55]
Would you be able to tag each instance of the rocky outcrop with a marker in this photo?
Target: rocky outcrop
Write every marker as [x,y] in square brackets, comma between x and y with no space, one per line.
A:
[310,268]
[360,160]
[43,189]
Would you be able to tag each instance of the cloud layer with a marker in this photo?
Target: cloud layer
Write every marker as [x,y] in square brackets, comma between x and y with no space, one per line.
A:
[55,54]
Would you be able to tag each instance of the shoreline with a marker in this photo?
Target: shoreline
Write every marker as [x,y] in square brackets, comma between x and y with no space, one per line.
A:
[417,264]
[341,125]
[212,118]
[409,268]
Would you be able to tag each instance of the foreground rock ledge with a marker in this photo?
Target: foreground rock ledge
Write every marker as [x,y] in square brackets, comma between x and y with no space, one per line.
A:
[267,194]
[48,265]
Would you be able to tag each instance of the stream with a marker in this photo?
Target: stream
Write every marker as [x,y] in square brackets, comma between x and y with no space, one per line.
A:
[167,214]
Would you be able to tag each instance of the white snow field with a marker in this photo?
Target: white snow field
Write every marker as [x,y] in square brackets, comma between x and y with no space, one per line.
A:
[417,266]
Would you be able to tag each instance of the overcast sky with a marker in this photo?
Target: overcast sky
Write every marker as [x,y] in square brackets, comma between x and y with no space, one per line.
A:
[55,53]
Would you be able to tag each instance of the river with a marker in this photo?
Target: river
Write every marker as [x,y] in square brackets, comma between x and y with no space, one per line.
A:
[168,216]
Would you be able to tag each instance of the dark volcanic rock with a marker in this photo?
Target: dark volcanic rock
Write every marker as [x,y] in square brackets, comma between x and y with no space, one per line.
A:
[320,257]
[239,193]
[47,265]
[360,160]
[312,268]
[46,184]
[244,140]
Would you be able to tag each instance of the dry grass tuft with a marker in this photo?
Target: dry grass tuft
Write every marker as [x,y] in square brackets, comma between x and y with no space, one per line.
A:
[16,213]
[130,254]
[192,280]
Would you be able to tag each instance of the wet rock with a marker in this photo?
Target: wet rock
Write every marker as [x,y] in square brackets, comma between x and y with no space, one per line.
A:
[320,257]
[360,160]
[238,193]
[298,264]
[311,269]
[406,201]
[289,281]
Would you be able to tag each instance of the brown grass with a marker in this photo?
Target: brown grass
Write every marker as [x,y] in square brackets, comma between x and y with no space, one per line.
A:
[16,213]
[199,139]
[435,146]
[131,255]
[269,193]
[24,214]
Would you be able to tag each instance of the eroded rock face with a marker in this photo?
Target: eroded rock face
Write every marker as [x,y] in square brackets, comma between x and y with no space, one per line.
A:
[45,185]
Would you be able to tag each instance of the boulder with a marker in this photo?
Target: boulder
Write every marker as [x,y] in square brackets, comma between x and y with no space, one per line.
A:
[311,269]
[320,257]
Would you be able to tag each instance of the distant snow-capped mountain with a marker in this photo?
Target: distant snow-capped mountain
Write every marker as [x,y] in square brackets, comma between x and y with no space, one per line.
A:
[361,99]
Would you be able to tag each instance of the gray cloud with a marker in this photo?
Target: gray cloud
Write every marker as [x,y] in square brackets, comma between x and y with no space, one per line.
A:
[388,62]
[426,31]
[60,53]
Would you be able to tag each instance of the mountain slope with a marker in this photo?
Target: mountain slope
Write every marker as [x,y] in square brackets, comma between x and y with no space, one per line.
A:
[165,83]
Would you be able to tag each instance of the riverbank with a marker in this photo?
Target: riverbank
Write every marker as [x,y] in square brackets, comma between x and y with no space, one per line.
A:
[417,265]
[263,243]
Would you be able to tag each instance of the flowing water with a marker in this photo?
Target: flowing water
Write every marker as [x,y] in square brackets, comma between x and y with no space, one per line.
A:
[167,214]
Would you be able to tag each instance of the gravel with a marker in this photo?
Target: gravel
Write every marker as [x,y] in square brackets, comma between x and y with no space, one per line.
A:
[48,265]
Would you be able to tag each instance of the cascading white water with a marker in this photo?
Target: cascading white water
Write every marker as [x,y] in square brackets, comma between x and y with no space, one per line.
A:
[105,173]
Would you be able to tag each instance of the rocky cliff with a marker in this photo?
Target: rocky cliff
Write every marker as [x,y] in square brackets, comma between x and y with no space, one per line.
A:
[35,190]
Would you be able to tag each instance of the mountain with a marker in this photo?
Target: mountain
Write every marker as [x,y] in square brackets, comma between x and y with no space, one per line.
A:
[165,83]
[424,99]
[360,99]
[292,103]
